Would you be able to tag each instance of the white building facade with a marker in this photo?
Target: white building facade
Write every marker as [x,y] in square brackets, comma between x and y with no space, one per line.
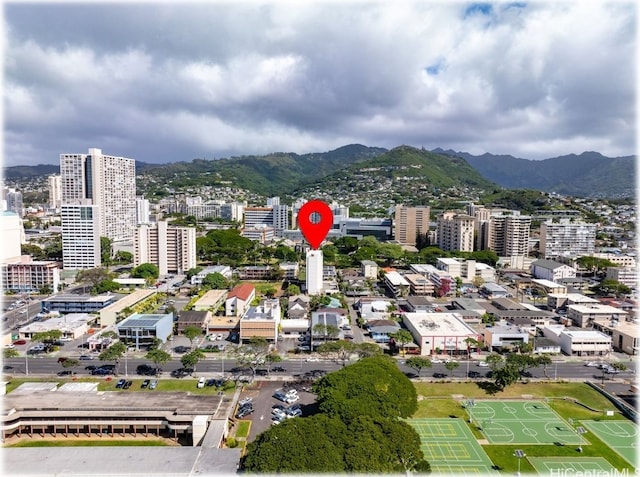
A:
[314,281]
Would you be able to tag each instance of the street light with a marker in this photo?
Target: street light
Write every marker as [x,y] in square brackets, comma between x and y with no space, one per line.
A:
[519,454]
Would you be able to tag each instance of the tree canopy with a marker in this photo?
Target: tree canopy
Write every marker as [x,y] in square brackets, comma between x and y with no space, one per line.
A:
[147,271]
[382,390]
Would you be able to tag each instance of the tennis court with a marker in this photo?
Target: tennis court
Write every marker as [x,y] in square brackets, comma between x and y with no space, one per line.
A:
[450,447]
[521,422]
[621,436]
[555,466]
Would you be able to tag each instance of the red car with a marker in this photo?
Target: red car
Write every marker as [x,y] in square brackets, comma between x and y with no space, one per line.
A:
[20,342]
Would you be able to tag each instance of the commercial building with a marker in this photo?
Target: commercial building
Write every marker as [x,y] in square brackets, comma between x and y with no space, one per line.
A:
[551,270]
[437,333]
[115,312]
[625,335]
[141,329]
[455,232]
[172,249]
[290,270]
[261,321]
[255,272]
[76,303]
[239,299]
[109,182]
[579,342]
[211,301]
[560,301]
[396,284]
[584,315]
[419,285]
[467,270]
[28,276]
[505,337]
[314,281]
[80,235]
[411,224]
[567,238]
[73,326]
[199,319]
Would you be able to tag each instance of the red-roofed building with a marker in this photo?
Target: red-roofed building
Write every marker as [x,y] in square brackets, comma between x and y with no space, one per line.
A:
[239,299]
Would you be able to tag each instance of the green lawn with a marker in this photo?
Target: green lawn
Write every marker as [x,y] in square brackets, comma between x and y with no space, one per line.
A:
[243,428]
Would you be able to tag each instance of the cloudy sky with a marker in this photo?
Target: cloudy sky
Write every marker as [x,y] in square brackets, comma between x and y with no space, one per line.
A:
[171,82]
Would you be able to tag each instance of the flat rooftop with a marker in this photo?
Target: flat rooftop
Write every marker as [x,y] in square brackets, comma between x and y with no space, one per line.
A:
[438,324]
[211,298]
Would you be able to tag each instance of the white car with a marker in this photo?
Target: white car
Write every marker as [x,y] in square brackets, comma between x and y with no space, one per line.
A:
[279,413]
[591,364]
[312,359]
[219,337]
[436,360]
[483,364]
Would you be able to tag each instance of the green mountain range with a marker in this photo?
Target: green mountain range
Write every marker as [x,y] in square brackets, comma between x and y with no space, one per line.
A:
[589,174]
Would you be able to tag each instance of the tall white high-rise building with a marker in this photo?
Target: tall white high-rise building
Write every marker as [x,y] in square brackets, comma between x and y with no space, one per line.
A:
[566,238]
[142,210]
[12,233]
[109,182]
[13,201]
[315,285]
[55,191]
[455,232]
[80,235]
[171,249]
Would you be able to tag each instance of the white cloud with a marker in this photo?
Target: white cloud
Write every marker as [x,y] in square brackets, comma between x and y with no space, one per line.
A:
[535,80]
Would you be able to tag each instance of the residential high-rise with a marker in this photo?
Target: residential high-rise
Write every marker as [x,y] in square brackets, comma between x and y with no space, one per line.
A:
[13,200]
[55,191]
[142,210]
[411,223]
[567,238]
[509,234]
[80,235]
[455,232]
[171,249]
[109,182]
[315,284]
[12,233]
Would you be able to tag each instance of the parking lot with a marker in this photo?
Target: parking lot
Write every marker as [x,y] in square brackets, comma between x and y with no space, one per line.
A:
[263,402]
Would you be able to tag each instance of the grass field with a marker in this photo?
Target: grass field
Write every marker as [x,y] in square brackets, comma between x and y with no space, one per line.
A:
[450,447]
[90,443]
[621,436]
[522,422]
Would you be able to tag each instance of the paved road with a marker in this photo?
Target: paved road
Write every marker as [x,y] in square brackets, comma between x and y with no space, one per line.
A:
[45,365]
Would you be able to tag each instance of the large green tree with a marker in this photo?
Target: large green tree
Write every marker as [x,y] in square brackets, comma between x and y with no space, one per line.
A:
[418,363]
[158,357]
[382,390]
[252,354]
[216,281]
[148,271]
[114,353]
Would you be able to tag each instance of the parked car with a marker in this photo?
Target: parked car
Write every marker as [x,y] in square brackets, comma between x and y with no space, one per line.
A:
[279,413]
[145,384]
[312,359]
[201,382]
[244,401]
[244,412]
[86,357]
[127,385]
[153,384]
[66,372]
[211,382]
[219,337]
[591,364]
[120,383]
[482,364]
[436,361]
[20,342]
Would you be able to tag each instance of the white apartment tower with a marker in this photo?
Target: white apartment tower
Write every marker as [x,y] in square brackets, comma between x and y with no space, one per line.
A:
[109,182]
[142,211]
[409,223]
[455,232]
[567,238]
[55,191]
[315,285]
[80,235]
[509,234]
[171,249]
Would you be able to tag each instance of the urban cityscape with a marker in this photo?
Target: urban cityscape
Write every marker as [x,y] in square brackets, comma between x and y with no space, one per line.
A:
[211,322]
[313,238]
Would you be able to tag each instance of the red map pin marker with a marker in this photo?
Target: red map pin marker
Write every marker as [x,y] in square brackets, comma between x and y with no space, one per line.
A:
[315,219]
